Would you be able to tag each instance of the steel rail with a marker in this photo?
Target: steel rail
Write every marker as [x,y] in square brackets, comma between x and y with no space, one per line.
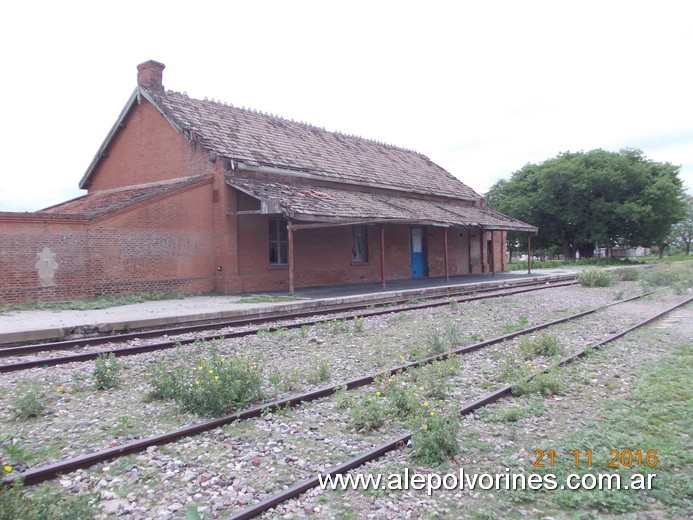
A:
[258,319]
[152,347]
[49,471]
[393,444]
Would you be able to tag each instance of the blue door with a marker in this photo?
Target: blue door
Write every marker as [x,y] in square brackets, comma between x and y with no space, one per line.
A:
[418,252]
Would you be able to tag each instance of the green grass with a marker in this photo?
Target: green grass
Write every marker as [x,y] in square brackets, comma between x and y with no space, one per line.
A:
[597,262]
[267,298]
[657,416]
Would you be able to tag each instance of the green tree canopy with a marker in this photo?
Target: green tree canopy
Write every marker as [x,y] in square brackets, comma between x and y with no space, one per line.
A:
[582,199]
[682,232]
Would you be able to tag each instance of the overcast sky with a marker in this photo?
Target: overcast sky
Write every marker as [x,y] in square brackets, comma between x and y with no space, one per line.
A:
[480,87]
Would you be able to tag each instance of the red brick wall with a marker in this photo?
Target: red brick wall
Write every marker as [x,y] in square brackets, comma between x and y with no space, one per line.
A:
[163,245]
[323,255]
[147,149]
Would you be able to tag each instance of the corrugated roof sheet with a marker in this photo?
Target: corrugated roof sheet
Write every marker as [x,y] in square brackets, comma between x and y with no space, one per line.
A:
[303,201]
[259,139]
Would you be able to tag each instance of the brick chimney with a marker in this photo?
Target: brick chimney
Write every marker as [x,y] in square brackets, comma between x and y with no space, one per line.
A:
[149,75]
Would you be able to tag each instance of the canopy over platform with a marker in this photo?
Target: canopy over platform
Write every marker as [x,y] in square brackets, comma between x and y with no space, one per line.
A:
[336,205]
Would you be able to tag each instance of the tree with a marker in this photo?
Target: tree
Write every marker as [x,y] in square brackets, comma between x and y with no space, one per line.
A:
[682,231]
[579,200]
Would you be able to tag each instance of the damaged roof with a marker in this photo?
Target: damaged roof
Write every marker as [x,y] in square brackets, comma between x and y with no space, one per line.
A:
[325,204]
[105,201]
[258,139]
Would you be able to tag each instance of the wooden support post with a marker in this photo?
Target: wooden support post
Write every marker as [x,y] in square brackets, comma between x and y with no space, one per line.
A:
[492,260]
[481,248]
[447,269]
[382,255]
[291,261]
[469,248]
[529,254]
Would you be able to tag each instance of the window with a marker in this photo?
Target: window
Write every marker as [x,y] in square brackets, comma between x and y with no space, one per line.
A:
[359,244]
[278,242]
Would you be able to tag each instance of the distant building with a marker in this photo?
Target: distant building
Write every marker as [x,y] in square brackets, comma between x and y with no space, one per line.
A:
[197,195]
[622,252]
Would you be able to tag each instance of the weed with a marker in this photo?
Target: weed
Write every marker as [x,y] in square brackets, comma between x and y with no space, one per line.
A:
[342,399]
[291,380]
[595,278]
[275,380]
[106,372]
[627,274]
[404,399]
[512,414]
[400,316]
[31,402]
[339,325]
[545,383]
[521,323]
[123,426]
[283,410]
[14,453]
[436,343]
[207,384]
[368,413]
[541,345]
[321,374]
[277,330]
[435,440]
[452,335]
[510,370]
[454,306]
[434,377]
[15,504]
[358,325]
[678,276]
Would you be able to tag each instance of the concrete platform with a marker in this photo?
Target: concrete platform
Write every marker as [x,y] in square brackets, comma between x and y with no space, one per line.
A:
[44,325]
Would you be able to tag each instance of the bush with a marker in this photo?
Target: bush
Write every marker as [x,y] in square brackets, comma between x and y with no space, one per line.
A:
[208,385]
[436,439]
[107,372]
[595,278]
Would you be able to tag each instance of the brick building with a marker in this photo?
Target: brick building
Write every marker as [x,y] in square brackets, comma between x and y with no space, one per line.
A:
[196,195]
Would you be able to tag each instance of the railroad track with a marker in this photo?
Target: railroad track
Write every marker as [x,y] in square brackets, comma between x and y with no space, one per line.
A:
[48,471]
[280,319]
[274,316]
[402,440]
